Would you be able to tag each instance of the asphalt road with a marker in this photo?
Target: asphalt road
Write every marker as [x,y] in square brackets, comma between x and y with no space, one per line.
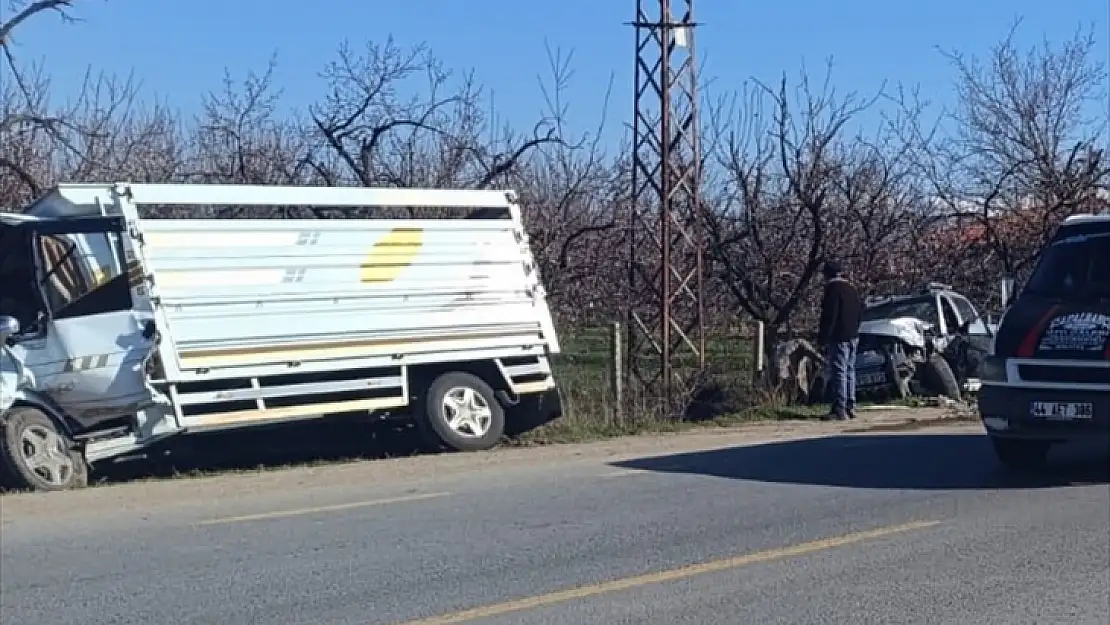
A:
[906,528]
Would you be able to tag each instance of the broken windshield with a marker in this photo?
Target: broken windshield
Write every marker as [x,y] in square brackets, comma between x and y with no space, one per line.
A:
[1076,266]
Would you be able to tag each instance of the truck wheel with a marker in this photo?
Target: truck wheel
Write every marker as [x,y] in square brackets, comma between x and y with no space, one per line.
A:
[460,411]
[36,455]
[1020,454]
[938,377]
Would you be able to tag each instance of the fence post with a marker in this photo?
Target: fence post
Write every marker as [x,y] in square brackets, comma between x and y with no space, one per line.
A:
[616,365]
[758,351]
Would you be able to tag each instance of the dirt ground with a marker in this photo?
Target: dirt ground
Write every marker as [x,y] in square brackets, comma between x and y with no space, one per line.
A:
[154,493]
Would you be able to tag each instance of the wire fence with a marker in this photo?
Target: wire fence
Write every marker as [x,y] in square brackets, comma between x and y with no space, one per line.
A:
[591,367]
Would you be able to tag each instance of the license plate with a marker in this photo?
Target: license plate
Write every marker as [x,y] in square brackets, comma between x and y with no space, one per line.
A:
[1062,410]
[871,379]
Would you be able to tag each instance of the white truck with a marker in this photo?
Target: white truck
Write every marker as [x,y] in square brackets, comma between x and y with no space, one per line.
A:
[118,331]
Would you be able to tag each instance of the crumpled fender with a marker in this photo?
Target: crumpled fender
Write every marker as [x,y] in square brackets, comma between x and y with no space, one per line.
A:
[17,386]
[14,377]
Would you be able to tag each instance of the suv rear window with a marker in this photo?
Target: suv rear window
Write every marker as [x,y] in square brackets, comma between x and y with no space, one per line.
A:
[1074,266]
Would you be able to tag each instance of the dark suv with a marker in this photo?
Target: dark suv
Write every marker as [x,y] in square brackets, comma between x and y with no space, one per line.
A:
[1047,378]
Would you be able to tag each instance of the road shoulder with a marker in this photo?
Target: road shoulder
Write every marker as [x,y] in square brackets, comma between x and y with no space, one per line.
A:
[423,471]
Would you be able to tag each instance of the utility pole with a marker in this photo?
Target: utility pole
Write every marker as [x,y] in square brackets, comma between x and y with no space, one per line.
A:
[665,321]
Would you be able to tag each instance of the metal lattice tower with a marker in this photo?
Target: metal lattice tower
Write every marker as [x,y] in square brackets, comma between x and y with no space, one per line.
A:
[666,330]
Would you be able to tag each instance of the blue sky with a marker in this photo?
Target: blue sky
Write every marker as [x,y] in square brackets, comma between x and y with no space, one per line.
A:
[180,48]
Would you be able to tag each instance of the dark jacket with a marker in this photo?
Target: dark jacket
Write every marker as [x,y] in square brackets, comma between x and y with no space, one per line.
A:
[841,309]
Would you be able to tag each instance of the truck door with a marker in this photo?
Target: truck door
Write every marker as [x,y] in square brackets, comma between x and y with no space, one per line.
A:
[99,341]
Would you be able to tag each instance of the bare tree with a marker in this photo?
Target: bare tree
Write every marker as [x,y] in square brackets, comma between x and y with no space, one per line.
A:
[794,187]
[440,138]
[572,191]
[26,119]
[100,132]
[113,134]
[1022,149]
[241,138]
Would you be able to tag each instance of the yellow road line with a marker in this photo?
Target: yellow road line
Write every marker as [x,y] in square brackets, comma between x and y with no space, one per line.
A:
[279,514]
[627,583]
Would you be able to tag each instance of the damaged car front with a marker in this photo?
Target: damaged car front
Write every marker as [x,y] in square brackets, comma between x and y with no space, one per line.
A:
[894,337]
[931,343]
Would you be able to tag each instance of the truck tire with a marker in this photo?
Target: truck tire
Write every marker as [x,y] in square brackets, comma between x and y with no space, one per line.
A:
[1020,454]
[36,455]
[937,376]
[459,411]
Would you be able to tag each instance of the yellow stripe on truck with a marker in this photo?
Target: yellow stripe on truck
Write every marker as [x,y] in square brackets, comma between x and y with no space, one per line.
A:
[391,255]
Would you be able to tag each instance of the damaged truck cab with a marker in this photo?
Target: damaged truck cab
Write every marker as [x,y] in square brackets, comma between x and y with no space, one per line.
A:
[74,343]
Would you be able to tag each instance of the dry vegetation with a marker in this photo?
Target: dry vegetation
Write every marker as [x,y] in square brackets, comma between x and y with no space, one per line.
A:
[964,197]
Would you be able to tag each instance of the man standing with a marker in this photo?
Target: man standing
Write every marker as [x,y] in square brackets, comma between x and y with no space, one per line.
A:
[838,333]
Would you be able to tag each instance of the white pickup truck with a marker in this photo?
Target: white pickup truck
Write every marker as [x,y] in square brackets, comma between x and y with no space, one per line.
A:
[118,330]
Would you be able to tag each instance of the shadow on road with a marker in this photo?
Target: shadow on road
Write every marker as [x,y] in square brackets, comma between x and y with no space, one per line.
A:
[905,461]
[310,442]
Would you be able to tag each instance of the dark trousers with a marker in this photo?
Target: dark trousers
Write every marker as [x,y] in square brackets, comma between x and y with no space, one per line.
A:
[841,387]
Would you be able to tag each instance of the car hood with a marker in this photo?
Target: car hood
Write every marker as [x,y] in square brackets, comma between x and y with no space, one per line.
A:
[909,330]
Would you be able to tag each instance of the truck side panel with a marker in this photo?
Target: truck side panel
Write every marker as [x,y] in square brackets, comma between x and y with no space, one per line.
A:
[257,292]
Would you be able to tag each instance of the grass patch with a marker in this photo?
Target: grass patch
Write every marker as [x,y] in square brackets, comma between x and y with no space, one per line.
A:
[584,373]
